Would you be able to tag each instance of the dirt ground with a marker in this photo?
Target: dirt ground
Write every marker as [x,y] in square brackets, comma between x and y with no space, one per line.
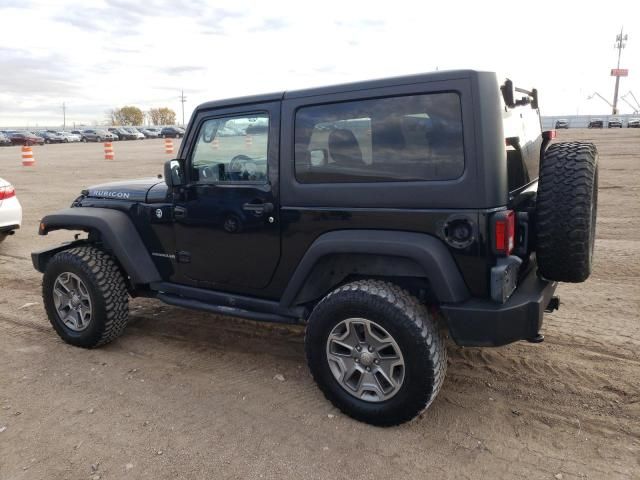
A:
[191,395]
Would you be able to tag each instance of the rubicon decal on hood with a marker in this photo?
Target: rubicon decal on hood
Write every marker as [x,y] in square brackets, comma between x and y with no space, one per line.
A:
[108,194]
[126,190]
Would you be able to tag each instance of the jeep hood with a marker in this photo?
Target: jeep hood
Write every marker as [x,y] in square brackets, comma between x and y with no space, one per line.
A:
[130,190]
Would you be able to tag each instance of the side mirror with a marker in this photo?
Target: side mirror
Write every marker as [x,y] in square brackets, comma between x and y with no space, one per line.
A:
[318,157]
[174,173]
[508,93]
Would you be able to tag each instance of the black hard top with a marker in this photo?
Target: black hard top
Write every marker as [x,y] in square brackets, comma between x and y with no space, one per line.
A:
[444,75]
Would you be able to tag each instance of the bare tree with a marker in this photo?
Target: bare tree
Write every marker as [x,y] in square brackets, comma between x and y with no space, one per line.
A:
[127,115]
[162,116]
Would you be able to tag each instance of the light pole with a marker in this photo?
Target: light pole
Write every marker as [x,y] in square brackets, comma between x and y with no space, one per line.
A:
[64,117]
[182,100]
[620,44]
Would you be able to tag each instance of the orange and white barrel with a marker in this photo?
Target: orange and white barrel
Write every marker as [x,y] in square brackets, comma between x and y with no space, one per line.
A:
[248,141]
[27,156]
[215,144]
[168,146]
[108,151]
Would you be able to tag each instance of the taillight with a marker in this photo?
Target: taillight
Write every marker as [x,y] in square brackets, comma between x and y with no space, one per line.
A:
[7,192]
[504,232]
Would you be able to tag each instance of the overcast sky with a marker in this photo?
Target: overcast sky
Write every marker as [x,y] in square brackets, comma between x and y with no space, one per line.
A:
[97,55]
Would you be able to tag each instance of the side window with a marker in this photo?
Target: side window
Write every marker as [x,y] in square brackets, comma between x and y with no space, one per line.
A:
[232,149]
[408,138]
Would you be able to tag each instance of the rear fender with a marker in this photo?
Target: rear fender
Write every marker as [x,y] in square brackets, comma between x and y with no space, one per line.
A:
[379,253]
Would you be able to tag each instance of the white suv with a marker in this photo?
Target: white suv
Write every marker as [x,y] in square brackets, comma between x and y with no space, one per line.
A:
[10,210]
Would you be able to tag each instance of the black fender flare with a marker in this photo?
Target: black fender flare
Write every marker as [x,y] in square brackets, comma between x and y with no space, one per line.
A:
[428,252]
[117,233]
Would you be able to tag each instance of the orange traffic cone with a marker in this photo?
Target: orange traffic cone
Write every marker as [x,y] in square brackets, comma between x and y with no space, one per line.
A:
[108,151]
[27,156]
[168,146]
[248,141]
[215,144]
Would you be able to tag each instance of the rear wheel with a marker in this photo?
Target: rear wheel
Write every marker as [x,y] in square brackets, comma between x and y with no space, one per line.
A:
[375,352]
[85,297]
[566,211]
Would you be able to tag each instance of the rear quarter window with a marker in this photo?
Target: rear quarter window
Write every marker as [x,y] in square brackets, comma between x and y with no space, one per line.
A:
[405,138]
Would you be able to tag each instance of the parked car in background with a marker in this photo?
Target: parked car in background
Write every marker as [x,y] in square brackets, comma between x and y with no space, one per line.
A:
[95,135]
[122,133]
[25,138]
[172,132]
[50,137]
[596,123]
[155,130]
[70,137]
[562,123]
[633,123]
[110,136]
[148,133]
[10,210]
[5,141]
[614,122]
[134,131]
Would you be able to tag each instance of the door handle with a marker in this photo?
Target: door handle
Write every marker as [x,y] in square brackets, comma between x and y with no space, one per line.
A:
[258,208]
[179,212]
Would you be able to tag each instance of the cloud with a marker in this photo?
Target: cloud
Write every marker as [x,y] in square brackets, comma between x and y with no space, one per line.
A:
[271,24]
[178,70]
[85,18]
[25,75]
[16,4]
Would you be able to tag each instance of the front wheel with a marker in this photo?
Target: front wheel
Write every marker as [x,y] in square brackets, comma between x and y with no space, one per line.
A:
[375,352]
[85,297]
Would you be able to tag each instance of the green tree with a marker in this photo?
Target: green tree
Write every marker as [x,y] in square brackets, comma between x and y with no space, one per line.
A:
[162,116]
[127,115]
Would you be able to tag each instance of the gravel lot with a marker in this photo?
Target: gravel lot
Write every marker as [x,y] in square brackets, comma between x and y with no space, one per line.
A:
[191,395]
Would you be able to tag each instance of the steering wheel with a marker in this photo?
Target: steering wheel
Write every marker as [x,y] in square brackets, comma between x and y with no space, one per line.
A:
[237,163]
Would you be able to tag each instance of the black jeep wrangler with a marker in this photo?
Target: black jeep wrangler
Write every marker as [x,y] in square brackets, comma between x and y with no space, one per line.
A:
[384,215]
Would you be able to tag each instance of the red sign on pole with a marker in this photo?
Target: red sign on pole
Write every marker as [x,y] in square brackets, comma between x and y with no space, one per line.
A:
[619,72]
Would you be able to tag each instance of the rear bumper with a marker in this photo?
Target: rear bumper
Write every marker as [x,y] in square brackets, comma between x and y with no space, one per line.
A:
[484,323]
[9,228]
[10,214]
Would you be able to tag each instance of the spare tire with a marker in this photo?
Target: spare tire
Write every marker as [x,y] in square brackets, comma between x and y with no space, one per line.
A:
[566,211]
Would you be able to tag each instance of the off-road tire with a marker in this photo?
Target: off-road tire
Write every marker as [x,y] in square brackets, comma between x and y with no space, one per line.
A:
[566,211]
[407,320]
[107,289]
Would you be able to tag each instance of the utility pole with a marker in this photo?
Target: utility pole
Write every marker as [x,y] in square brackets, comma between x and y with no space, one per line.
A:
[182,100]
[64,117]
[620,44]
